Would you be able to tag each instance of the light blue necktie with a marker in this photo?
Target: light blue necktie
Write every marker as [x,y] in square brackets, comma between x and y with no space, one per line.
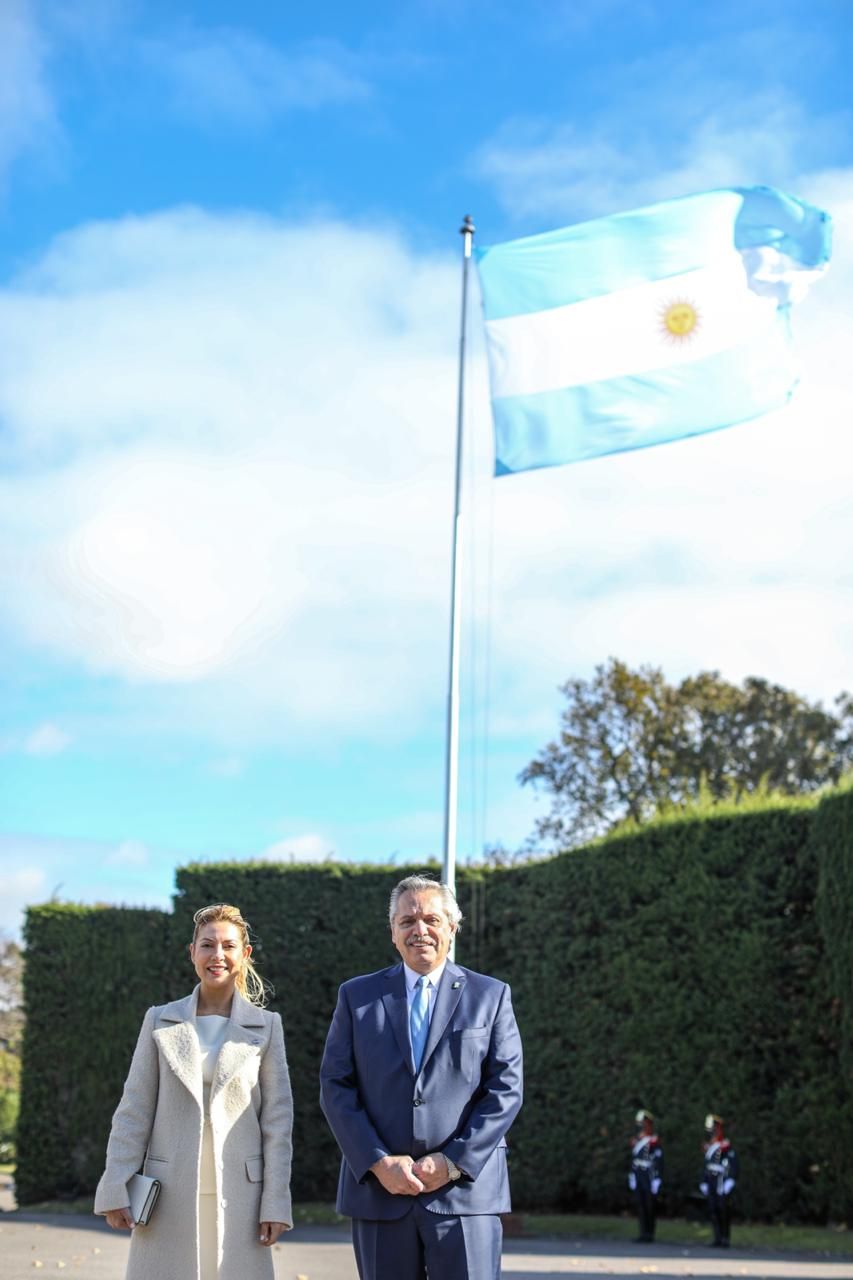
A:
[419,1020]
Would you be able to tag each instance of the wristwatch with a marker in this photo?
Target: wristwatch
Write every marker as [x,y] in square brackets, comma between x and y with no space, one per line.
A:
[453,1173]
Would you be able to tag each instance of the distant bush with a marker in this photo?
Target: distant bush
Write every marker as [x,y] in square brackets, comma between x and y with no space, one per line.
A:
[10,1080]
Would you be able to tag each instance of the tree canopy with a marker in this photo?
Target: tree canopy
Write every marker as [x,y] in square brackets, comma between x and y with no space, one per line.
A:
[631,744]
[11,994]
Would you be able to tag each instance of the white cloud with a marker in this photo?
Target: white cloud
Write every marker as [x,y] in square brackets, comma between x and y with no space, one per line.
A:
[310,847]
[20,887]
[227,767]
[249,424]
[27,116]
[557,172]
[233,494]
[35,868]
[129,853]
[46,740]
[228,73]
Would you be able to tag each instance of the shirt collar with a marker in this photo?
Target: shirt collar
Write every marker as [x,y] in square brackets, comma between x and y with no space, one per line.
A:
[412,977]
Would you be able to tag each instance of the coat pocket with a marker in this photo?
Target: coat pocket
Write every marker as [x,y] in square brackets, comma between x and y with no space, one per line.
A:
[469,1046]
[255,1168]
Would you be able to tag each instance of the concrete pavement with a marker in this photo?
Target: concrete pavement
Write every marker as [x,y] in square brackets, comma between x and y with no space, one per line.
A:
[86,1247]
[33,1244]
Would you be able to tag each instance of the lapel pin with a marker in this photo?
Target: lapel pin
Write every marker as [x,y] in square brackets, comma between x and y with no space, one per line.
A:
[456,984]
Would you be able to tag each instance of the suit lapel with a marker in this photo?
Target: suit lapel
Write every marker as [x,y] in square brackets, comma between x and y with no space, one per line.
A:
[397,1010]
[446,999]
[243,1040]
[179,1042]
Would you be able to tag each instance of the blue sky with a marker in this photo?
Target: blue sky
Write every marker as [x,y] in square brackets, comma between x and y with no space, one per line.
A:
[229,278]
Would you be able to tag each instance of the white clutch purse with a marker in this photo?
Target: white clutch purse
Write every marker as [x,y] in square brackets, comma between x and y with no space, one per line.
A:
[144,1193]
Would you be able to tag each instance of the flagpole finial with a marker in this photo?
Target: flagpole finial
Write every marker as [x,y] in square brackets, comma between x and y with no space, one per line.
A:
[467,230]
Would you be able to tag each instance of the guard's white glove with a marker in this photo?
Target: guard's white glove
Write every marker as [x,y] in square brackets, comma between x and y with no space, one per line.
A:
[728,1186]
[703,1187]
[632,1181]
[655,1186]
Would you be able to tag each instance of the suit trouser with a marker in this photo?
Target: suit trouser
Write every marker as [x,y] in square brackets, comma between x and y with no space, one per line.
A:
[646,1212]
[423,1244]
[719,1211]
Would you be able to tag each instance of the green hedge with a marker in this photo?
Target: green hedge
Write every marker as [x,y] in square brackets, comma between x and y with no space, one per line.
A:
[688,966]
[833,839]
[680,969]
[91,973]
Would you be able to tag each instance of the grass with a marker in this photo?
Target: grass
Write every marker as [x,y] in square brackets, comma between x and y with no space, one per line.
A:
[317,1215]
[305,1215]
[82,1204]
[776,1237]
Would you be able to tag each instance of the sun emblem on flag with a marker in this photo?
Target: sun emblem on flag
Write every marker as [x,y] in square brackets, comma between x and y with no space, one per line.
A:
[679,320]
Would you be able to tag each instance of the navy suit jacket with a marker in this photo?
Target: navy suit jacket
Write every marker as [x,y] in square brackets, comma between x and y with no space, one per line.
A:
[461,1102]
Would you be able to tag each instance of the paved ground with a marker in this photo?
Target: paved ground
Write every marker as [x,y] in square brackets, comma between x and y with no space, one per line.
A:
[86,1247]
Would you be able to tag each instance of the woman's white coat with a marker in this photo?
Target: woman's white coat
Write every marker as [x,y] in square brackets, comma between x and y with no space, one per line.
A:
[158,1124]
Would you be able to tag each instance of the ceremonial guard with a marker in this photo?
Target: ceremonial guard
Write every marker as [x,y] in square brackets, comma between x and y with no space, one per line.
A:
[646,1176]
[719,1176]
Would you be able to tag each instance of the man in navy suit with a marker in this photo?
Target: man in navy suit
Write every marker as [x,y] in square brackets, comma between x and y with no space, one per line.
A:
[420,1082]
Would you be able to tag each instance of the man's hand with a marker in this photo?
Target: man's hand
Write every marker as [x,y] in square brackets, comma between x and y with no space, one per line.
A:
[432,1171]
[396,1173]
[120,1219]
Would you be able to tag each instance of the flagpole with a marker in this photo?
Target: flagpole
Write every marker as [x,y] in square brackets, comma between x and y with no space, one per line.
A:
[451,780]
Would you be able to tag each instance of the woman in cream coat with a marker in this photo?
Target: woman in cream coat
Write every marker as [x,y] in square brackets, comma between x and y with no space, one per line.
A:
[207,1110]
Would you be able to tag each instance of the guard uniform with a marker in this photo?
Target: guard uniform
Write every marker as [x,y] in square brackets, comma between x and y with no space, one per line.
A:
[646,1176]
[719,1176]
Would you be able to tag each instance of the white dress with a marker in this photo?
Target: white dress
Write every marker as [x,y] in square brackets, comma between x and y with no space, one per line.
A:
[211,1028]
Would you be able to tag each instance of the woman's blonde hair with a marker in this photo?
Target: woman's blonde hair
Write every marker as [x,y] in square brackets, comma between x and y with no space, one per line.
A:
[250,984]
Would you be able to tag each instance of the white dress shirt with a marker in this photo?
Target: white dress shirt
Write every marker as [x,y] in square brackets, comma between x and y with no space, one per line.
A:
[433,980]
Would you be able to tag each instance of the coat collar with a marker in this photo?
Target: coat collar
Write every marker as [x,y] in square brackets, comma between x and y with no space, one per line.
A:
[447,997]
[243,1012]
[397,1009]
[179,1041]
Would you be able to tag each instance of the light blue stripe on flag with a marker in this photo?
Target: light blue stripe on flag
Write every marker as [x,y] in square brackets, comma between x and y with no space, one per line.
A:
[647,326]
[638,410]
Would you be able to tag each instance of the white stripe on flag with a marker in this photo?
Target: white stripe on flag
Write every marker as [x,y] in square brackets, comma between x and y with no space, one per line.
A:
[625,332]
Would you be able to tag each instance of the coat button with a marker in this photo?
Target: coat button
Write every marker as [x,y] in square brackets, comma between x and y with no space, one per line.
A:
[224,1204]
[418,1101]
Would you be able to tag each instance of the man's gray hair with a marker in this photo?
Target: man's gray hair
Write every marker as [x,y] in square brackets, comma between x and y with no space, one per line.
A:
[426,884]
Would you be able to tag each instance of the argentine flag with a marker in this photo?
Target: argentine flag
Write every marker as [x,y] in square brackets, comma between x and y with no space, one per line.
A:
[647,326]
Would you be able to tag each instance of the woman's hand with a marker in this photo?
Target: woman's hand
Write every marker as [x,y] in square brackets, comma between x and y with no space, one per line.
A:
[270,1232]
[120,1219]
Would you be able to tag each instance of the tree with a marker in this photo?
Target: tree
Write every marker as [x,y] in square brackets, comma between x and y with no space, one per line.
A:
[11,995]
[10,1085]
[11,1031]
[631,744]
